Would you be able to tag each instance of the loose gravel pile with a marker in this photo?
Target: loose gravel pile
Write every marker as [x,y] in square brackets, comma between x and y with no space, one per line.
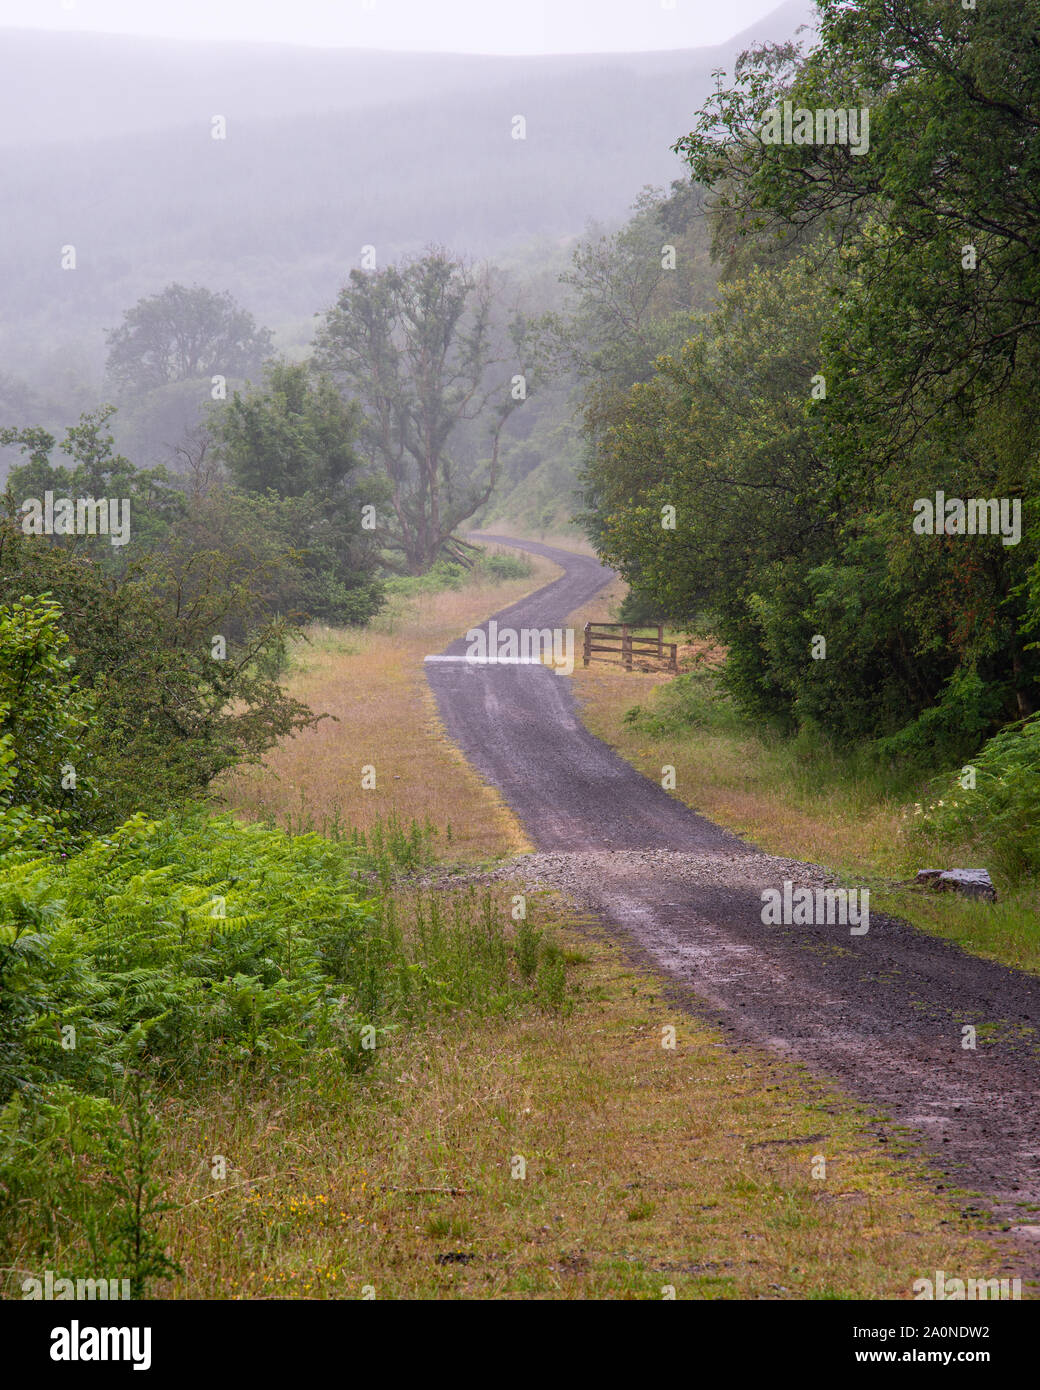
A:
[581,875]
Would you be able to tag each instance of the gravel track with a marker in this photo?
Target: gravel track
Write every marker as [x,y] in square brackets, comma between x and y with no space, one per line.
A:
[880,1013]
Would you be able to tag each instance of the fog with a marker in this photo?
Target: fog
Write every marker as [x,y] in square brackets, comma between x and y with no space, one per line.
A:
[107,145]
[457,26]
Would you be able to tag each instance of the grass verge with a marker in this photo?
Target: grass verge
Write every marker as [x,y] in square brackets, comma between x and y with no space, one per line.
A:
[798,798]
[383,718]
[559,1153]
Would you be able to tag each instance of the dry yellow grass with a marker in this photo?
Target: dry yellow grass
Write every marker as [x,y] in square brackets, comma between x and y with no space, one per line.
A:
[372,681]
[647,1169]
[727,780]
[575,541]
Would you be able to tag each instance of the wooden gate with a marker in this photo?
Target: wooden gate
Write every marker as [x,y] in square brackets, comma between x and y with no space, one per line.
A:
[620,640]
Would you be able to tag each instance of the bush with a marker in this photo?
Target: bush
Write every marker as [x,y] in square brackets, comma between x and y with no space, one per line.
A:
[445,574]
[639,609]
[449,574]
[197,944]
[43,720]
[171,707]
[191,951]
[965,713]
[691,701]
[503,567]
[193,942]
[998,816]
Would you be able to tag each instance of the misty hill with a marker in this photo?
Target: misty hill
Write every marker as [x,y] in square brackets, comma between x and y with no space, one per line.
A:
[70,86]
[106,145]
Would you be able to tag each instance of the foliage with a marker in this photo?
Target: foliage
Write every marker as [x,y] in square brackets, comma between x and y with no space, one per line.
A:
[450,574]
[539,468]
[637,608]
[188,951]
[44,718]
[169,708]
[503,567]
[292,436]
[421,347]
[629,304]
[694,700]
[304,561]
[953,95]
[631,293]
[184,333]
[290,448]
[130,1228]
[176,941]
[859,360]
[996,816]
[96,470]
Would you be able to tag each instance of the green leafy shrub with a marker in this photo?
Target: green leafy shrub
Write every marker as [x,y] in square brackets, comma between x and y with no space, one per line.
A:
[637,608]
[44,717]
[694,700]
[390,845]
[503,567]
[166,716]
[998,816]
[190,951]
[201,942]
[445,574]
[449,574]
[966,711]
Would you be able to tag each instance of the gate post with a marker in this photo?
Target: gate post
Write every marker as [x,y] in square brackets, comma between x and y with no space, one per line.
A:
[626,646]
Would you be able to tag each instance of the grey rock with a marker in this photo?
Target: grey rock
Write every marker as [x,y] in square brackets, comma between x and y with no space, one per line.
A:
[972,883]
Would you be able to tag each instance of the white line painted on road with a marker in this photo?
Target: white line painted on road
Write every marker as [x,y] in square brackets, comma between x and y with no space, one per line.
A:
[490,660]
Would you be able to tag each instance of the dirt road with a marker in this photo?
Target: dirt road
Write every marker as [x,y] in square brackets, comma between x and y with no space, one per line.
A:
[882,1013]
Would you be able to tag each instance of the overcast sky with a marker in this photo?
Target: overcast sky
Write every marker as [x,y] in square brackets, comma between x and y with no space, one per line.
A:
[471,26]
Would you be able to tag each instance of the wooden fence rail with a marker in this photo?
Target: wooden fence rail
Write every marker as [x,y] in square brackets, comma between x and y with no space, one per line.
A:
[618,638]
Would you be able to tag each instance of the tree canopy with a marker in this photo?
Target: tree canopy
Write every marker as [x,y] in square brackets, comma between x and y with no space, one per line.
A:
[873,351]
[183,333]
[423,349]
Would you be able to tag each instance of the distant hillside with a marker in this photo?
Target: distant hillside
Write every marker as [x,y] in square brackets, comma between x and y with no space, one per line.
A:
[105,144]
[70,86]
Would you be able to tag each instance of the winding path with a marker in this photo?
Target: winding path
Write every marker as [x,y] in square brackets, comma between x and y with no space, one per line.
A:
[881,1013]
